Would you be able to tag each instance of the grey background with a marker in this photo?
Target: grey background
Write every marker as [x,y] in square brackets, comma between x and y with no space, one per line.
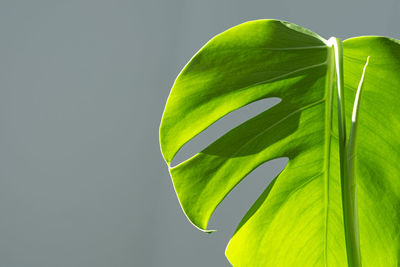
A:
[82,89]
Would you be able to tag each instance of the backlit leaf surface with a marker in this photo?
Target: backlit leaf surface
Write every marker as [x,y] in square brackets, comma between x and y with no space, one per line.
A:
[298,220]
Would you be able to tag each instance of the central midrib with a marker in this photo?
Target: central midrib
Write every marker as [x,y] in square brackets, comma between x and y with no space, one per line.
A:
[328,130]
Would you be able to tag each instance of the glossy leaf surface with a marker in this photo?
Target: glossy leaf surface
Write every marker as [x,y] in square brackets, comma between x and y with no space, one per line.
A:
[298,220]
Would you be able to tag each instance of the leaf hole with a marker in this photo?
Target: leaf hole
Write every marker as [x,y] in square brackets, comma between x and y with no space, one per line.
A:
[238,202]
[221,127]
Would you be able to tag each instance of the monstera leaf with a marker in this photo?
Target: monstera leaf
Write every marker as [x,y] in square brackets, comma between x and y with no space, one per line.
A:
[307,216]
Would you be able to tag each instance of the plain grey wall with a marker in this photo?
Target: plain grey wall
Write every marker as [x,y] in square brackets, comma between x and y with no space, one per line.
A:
[82,89]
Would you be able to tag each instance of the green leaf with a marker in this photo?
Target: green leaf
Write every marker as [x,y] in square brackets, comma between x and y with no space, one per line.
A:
[298,220]
[377,151]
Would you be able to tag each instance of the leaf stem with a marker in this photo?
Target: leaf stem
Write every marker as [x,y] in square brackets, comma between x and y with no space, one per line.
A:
[351,185]
[347,175]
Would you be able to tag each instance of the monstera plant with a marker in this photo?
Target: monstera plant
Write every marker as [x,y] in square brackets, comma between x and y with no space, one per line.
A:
[337,201]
